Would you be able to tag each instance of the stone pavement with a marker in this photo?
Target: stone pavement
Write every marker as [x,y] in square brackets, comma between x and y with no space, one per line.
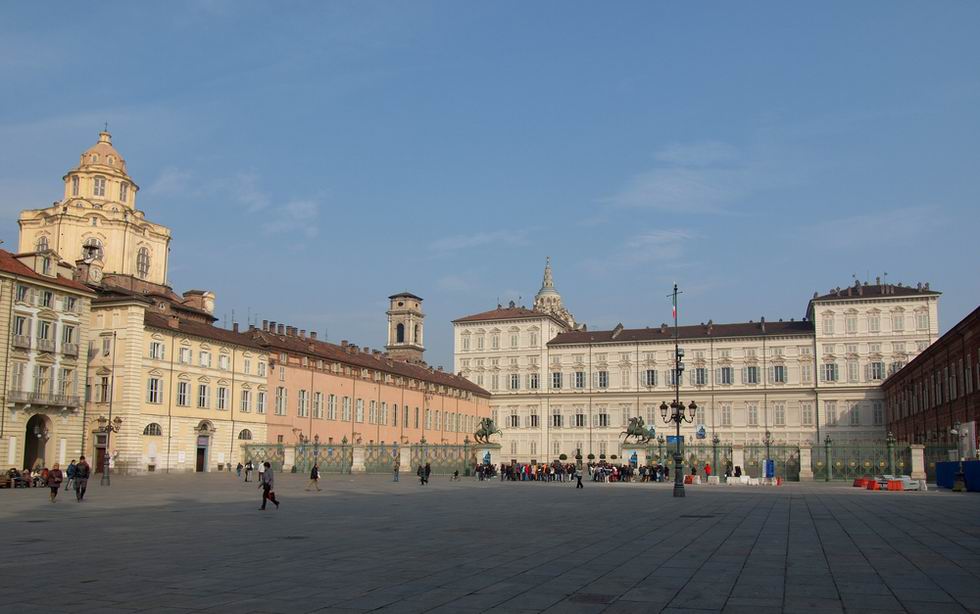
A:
[197,542]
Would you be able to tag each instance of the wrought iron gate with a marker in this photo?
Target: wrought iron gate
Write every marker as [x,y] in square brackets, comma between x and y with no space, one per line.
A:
[274,454]
[787,461]
[444,459]
[381,458]
[331,458]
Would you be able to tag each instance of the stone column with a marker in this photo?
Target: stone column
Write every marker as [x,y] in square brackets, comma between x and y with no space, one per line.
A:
[289,458]
[918,461]
[806,463]
[357,465]
[738,457]
[405,459]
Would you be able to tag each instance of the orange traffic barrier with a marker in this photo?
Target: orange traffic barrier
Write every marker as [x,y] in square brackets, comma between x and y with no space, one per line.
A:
[873,485]
[895,485]
[860,483]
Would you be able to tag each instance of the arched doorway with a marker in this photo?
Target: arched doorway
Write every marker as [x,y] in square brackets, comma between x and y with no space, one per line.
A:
[204,432]
[36,438]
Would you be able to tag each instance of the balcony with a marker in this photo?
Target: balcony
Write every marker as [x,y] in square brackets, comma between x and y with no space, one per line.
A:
[69,349]
[44,398]
[22,341]
[45,345]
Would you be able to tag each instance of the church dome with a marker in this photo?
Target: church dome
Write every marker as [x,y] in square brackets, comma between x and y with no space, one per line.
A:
[103,154]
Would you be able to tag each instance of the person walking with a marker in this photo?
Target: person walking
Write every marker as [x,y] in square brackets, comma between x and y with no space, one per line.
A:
[266,483]
[707,471]
[421,474]
[249,468]
[578,479]
[55,476]
[395,467]
[71,474]
[82,471]
[314,478]
[238,469]
[428,471]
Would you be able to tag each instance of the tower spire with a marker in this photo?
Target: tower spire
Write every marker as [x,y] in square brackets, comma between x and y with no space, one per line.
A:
[548,300]
[549,282]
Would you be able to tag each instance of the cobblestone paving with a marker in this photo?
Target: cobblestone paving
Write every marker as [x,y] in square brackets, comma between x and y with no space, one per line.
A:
[196,543]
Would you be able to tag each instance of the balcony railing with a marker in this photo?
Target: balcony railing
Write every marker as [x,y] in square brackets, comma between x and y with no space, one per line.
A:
[45,345]
[45,398]
[70,349]
[22,341]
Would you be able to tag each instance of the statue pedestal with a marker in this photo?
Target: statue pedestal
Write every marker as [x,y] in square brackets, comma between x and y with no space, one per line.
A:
[483,449]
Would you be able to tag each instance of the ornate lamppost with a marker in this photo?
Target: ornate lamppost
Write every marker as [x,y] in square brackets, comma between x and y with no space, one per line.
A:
[660,445]
[714,453]
[826,446]
[767,441]
[677,412]
[890,445]
[108,427]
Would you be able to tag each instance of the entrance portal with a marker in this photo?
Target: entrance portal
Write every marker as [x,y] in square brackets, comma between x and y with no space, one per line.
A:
[35,441]
[202,452]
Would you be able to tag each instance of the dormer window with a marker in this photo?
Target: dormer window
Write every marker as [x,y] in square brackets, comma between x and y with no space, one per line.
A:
[123,191]
[99,187]
[42,244]
[46,266]
[110,160]
[94,158]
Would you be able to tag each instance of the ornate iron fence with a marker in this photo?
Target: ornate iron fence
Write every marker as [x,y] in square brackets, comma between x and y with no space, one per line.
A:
[331,458]
[853,460]
[274,454]
[444,459]
[381,458]
[786,460]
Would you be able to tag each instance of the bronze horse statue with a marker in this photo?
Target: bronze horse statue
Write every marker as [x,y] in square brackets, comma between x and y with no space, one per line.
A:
[637,430]
[487,428]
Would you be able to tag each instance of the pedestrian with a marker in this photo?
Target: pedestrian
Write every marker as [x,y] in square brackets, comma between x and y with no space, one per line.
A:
[707,471]
[238,469]
[82,471]
[55,476]
[249,468]
[428,470]
[314,478]
[421,474]
[395,467]
[266,483]
[71,474]
[578,479]
[456,475]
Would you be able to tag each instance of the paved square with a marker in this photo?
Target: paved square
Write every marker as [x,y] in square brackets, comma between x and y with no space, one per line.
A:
[194,543]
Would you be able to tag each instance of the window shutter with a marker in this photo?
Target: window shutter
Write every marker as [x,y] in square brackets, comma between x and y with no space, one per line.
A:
[745,375]
[867,372]
[823,372]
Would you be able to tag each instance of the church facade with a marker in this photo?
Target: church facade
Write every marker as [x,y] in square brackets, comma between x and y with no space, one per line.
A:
[559,388]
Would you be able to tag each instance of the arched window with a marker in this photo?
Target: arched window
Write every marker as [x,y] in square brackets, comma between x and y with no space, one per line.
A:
[400,333]
[416,338]
[245,435]
[92,248]
[153,429]
[99,186]
[42,244]
[143,262]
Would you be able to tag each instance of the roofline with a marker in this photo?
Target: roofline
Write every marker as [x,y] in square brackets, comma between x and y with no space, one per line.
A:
[407,295]
[254,346]
[682,338]
[548,316]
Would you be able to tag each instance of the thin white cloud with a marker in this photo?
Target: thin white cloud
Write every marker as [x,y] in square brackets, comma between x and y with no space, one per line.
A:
[665,248]
[885,228]
[697,154]
[479,239]
[298,216]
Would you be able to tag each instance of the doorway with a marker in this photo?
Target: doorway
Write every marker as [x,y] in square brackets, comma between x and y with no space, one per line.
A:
[202,453]
[100,448]
[36,437]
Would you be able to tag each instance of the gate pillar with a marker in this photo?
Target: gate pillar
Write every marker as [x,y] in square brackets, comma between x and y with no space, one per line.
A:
[357,464]
[738,457]
[918,461]
[806,463]
[289,458]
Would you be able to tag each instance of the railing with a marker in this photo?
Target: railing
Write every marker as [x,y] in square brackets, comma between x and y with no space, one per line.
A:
[45,345]
[70,349]
[44,398]
[22,341]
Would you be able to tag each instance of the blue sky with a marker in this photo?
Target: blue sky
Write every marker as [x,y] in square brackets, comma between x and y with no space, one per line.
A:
[315,160]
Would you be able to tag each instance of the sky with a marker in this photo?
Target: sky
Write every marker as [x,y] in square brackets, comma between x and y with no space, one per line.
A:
[313,158]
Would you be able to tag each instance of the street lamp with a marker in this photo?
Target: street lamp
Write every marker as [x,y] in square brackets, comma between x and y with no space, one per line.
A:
[715,440]
[767,440]
[959,481]
[108,427]
[675,413]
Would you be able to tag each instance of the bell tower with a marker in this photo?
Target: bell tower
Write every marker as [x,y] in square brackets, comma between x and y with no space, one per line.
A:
[405,327]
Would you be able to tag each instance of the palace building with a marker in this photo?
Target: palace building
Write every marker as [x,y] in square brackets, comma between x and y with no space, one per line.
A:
[560,388]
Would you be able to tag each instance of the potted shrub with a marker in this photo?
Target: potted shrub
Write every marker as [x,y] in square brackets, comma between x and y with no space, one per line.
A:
[613,457]
[602,457]
[562,457]
[591,457]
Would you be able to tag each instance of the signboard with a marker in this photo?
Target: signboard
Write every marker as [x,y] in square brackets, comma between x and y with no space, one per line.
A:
[180,457]
[701,432]
[486,458]
[672,439]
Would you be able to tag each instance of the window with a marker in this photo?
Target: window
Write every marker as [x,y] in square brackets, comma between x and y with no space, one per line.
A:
[223,362]
[556,419]
[203,396]
[851,324]
[700,376]
[301,404]
[556,380]
[830,412]
[247,366]
[143,263]
[727,376]
[123,191]
[852,371]
[779,413]
[579,420]
[42,379]
[318,405]
[876,371]
[751,375]
[874,323]
[153,390]
[98,186]
[102,391]
[495,342]
[752,411]
[260,402]
[345,410]
[533,381]
[280,401]
[74,185]
[922,320]
[830,372]
[71,304]
[245,435]
[182,393]
[47,298]
[466,343]
[806,372]
[534,421]
[22,326]
[514,338]
[779,374]
[106,345]
[854,413]
[878,412]
[726,414]
[671,377]
[515,381]
[650,377]
[246,403]
[479,342]
[222,397]
[92,248]
[373,413]
[514,421]
[898,322]
[205,359]
[156,350]
[602,379]
[68,334]
[806,413]
[533,339]
[580,379]
[828,325]
[603,419]
[22,294]
[359,410]
[153,429]
[261,371]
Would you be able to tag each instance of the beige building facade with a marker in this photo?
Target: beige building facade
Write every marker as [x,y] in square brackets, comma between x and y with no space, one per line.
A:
[44,368]
[562,390]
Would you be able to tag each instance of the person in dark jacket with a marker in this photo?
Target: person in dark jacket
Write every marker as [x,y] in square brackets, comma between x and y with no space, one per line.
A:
[421,474]
[55,476]
[82,471]
[314,478]
[70,473]
[428,471]
[267,483]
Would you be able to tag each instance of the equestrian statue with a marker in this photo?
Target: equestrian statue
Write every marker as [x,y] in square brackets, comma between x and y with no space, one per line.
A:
[636,430]
[487,428]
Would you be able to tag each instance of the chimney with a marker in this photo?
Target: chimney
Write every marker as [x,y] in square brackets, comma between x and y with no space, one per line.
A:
[860,290]
[265,325]
[618,330]
[762,323]
[367,350]
[925,286]
[234,327]
[313,335]
[302,333]
[251,327]
[343,343]
[663,329]
[711,326]
[439,368]
[281,330]
[918,286]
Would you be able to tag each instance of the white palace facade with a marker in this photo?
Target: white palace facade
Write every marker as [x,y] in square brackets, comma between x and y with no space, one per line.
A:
[559,388]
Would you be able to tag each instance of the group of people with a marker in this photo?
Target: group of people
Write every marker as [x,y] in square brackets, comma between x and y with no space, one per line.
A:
[76,475]
[525,472]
